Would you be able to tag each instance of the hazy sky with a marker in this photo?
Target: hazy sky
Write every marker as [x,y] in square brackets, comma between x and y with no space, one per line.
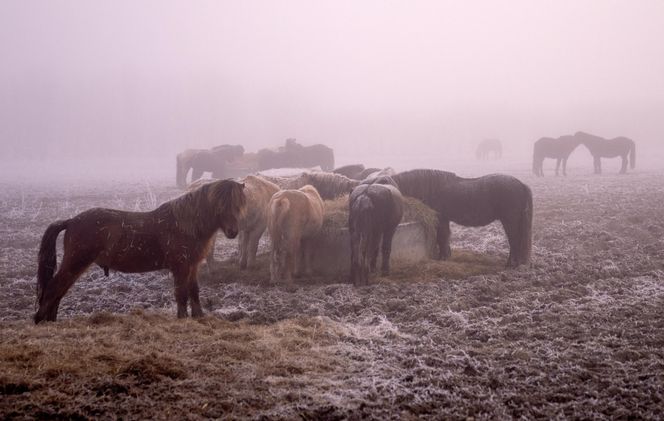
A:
[90,77]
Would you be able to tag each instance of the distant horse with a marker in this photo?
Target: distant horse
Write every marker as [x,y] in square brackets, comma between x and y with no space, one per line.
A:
[294,217]
[609,148]
[375,211]
[474,202]
[253,222]
[352,171]
[385,172]
[367,172]
[294,155]
[212,160]
[548,147]
[175,236]
[487,147]
[329,185]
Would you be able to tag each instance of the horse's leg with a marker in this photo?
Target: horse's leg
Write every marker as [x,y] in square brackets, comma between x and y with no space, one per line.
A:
[196,173]
[181,278]
[565,166]
[354,257]
[443,231]
[243,239]
[623,169]
[194,299]
[252,247]
[386,248]
[597,164]
[70,270]
[557,165]
[374,248]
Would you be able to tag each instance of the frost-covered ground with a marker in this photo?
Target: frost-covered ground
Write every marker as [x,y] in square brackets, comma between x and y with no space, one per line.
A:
[578,334]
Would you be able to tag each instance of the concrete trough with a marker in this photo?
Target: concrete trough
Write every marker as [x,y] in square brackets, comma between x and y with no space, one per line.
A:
[332,249]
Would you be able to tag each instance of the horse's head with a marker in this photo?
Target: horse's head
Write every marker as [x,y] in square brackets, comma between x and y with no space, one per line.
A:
[227,196]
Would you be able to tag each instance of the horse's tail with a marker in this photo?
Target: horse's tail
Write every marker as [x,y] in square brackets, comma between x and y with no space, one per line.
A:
[632,155]
[47,261]
[279,210]
[361,211]
[526,227]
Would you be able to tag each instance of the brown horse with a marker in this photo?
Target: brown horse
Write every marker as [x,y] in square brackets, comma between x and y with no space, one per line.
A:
[295,155]
[214,160]
[294,217]
[475,202]
[375,211]
[175,236]
[608,148]
[560,149]
[253,222]
[488,146]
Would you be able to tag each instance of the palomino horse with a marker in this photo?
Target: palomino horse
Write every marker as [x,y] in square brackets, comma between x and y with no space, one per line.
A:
[375,211]
[253,222]
[329,185]
[475,202]
[608,148]
[294,217]
[560,149]
[175,236]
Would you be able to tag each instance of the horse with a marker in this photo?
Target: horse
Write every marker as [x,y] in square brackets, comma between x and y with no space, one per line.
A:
[294,217]
[474,202]
[367,172]
[212,160]
[608,148]
[294,155]
[352,171]
[252,223]
[375,211]
[548,147]
[488,146]
[174,236]
[329,185]
[370,178]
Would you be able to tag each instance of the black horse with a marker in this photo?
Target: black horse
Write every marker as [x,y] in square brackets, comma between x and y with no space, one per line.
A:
[608,148]
[214,160]
[487,147]
[475,202]
[294,155]
[375,211]
[560,149]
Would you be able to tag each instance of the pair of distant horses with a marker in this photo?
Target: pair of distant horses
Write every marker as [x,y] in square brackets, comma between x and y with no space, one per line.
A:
[561,148]
[177,235]
[219,159]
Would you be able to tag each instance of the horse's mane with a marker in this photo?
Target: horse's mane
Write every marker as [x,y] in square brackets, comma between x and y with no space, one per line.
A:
[329,185]
[198,211]
[423,184]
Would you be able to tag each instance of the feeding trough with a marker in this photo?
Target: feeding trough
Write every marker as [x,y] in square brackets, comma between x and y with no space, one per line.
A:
[413,240]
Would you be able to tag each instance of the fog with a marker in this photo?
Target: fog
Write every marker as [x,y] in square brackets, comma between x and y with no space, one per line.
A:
[108,80]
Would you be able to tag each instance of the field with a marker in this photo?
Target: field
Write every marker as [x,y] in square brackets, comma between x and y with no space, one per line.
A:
[579,334]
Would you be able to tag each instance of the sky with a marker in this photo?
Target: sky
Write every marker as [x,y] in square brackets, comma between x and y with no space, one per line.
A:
[116,78]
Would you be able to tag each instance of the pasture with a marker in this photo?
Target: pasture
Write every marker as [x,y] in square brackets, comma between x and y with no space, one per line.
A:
[578,334]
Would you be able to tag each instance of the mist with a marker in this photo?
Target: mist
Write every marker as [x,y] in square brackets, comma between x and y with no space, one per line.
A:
[124,79]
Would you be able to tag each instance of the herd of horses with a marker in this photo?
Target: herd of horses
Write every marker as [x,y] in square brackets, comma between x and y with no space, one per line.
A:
[562,147]
[181,233]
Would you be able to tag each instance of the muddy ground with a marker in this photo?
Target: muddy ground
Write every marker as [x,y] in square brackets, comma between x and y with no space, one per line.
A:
[579,334]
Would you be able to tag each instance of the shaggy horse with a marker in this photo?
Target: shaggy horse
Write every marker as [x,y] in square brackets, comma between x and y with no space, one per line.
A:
[475,202]
[175,236]
[352,171]
[372,177]
[367,172]
[488,146]
[559,149]
[375,211]
[212,160]
[294,217]
[329,185]
[294,155]
[252,223]
[608,148]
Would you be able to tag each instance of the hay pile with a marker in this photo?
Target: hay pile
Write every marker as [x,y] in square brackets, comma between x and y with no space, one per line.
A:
[336,215]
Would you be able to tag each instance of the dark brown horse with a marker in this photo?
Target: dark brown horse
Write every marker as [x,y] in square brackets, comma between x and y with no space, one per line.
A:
[475,202]
[608,148]
[375,211]
[214,160]
[352,171]
[560,149]
[175,236]
[294,155]
[487,147]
